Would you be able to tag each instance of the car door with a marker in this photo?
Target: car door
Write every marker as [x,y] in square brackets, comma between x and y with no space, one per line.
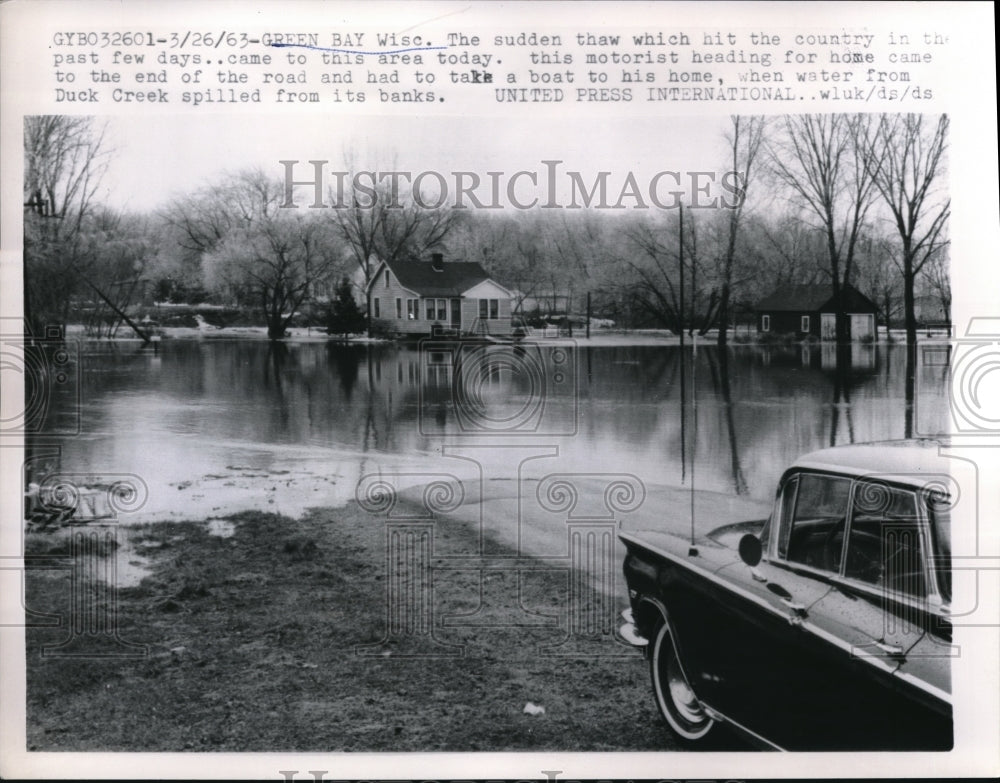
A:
[755,656]
[925,674]
[883,614]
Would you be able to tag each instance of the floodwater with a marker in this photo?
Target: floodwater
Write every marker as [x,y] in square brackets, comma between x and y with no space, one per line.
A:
[202,428]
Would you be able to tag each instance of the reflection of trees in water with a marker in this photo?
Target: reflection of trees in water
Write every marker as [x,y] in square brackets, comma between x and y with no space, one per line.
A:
[274,370]
[345,359]
[632,373]
[718,363]
[841,395]
[909,390]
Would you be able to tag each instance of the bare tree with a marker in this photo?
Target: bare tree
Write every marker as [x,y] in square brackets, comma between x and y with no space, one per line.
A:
[878,276]
[119,247]
[204,219]
[269,257]
[64,162]
[745,139]
[656,287]
[905,157]
[794,251]
[817,160]
[657,279]
[936,273]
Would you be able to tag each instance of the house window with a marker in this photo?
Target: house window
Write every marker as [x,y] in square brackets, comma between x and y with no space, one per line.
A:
[386,278]
[376,304]
[399,307]
[413,309]
[489,308]
[430,309]
[765,323]
[805,324]
[442,309]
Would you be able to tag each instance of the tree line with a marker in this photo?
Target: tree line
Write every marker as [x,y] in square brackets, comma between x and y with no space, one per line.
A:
[837,199]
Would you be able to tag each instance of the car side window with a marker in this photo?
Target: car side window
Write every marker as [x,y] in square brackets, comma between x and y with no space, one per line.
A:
[884,543]
[786,514]
[941,516]
[813,521]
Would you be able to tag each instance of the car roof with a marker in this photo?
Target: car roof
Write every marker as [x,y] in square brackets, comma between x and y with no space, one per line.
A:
[914,462]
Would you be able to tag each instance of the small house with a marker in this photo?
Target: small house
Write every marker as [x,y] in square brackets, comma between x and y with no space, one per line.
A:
[805,310]
[434,297]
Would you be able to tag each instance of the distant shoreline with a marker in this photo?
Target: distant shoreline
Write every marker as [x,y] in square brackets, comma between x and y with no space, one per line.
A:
[601,337]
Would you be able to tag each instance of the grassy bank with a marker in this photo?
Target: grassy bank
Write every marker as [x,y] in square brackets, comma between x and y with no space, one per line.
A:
[256,643]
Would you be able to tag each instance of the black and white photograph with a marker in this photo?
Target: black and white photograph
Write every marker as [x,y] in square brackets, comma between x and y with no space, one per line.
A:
[621,440]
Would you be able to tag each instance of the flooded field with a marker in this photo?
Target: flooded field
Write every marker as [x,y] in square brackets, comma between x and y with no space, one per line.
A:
[210,427]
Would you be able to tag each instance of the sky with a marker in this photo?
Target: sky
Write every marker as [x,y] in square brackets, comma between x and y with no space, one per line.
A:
[156,158]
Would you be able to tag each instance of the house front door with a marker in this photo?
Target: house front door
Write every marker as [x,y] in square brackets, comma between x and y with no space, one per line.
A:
[456,313]
[828,326]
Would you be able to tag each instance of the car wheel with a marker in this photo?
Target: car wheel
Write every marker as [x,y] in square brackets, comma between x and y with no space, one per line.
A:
[674,695]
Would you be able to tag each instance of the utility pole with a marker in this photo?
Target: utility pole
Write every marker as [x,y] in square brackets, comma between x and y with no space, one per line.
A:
[680,264]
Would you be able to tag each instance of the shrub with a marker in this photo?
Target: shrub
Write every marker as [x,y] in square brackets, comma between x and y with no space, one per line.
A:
[382,328]
[775,338]
[344,317]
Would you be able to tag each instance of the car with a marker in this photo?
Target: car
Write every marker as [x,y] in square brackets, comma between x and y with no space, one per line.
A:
[825,627]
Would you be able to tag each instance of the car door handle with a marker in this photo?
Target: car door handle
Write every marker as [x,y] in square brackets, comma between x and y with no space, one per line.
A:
[892,650]
[795,606]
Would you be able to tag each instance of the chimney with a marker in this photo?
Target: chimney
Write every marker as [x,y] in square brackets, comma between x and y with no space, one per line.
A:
[437,262]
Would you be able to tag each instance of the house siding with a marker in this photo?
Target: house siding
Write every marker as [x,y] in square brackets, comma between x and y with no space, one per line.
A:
[788,322]
[498,327]
[387,296]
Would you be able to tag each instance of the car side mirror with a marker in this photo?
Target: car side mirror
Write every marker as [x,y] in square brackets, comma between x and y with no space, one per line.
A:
[750,550]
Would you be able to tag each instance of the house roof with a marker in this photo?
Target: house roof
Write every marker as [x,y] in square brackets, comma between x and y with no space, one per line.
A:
[454,279]
[810,298]
[796,297]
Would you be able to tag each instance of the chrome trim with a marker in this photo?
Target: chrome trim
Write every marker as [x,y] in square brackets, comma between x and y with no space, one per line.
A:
[629,633]
[927,605]
[925,686]
[892,650]
[722,718]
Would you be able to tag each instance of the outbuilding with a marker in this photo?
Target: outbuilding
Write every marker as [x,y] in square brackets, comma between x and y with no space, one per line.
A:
[810,310]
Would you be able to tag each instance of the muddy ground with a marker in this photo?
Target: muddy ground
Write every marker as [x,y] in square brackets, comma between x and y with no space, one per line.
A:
[279,637]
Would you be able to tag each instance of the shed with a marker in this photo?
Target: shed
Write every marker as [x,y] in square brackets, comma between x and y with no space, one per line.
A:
[810,310]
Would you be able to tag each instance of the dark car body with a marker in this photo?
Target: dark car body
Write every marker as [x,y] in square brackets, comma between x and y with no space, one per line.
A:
[834,633]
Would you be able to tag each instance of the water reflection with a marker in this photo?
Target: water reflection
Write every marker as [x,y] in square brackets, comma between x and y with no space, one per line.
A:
[748,411]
